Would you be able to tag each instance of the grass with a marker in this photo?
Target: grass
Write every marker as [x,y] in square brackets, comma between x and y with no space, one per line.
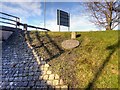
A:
[93,64]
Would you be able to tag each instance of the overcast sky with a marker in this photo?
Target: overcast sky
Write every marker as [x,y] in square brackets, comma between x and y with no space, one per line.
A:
[33,13]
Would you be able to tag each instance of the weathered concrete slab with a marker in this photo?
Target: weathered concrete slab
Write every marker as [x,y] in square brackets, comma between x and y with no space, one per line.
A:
[4,35]
[6,32]
[7,28]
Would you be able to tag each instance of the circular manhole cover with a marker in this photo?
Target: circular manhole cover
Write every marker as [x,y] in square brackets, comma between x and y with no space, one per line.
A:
[69,44]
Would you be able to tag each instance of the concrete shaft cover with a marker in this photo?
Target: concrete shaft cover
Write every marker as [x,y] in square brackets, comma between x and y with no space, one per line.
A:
[69,44]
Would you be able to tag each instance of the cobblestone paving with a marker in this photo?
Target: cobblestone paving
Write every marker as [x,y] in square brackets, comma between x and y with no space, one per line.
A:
[50,78]
[23,68]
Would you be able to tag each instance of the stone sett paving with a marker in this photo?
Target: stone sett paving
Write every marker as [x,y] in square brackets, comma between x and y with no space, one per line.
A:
[21,70]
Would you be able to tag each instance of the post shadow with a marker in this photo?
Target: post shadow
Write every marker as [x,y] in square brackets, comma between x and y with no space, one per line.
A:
[42,44]
[111,49]
[61,51]
[28,37]
[53,42]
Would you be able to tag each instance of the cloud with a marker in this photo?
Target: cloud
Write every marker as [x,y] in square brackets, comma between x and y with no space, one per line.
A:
[22,0]
[77,23]
[32,8]
[81,23]
[28,10]
[24,10]
[59,0]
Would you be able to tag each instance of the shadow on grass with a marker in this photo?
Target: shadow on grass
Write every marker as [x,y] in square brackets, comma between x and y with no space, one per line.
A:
[78,35]
[111,49]
[28,37]
[59,51]
[56,46]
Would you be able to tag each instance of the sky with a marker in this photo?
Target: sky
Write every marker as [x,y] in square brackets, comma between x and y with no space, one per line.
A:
[33,13]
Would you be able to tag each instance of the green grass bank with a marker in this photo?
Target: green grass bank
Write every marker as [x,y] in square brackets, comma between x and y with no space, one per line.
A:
[93,64]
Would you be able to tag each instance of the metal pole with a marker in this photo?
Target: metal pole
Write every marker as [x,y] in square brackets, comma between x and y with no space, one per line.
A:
[16,22]
[44,13]
[25,27]
[69,23]
[59,20]
[19,22]
[118,20]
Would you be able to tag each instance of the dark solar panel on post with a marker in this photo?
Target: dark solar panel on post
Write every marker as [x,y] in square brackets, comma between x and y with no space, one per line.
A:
[63,18]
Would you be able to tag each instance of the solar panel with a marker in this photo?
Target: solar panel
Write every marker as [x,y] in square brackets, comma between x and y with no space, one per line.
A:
[63,18]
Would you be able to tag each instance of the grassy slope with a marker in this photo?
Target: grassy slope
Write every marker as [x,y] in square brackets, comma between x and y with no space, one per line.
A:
[94,63]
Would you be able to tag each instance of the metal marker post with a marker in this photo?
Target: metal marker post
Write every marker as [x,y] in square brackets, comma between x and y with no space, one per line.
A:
[118,11]
[69,23]
[25,27]
[59,20]
[16,22]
